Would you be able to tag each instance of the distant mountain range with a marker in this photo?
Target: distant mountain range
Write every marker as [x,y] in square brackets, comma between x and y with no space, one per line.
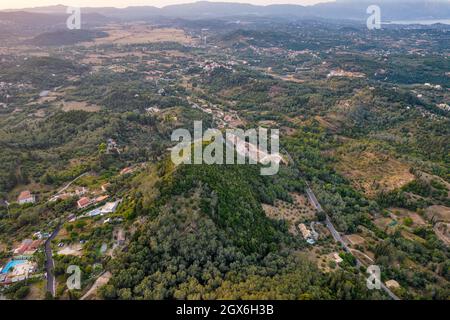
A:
[341,9]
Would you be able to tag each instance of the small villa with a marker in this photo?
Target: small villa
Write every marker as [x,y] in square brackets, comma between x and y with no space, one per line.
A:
[83,202]
[16,270]
[26,197]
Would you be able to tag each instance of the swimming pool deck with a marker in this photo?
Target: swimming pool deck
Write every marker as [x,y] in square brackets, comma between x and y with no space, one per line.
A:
[11,264]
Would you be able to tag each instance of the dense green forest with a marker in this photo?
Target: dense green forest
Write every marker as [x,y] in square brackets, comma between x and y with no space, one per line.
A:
[208,239]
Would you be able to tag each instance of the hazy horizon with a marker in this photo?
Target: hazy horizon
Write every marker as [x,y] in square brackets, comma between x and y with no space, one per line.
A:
[20,4]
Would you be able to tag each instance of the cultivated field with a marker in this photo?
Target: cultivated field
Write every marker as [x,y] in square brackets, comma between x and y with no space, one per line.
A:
[140,34]
[298,211]
[354,239]
[385,224]
[373,172]
[77,105]
[401,214]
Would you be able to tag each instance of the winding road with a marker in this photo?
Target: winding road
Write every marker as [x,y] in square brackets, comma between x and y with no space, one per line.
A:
[337,237]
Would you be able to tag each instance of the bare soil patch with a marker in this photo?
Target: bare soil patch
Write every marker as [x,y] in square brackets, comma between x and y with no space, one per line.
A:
[101,281]
[294,213]
[37,291]
[442,231]
[77,105]
[72,250]
[354,239]
[373,172]
[385,224]
[141,34]
[404,213]
[441,213]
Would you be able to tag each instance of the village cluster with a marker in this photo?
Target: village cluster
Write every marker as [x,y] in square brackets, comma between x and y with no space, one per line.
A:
[22,264]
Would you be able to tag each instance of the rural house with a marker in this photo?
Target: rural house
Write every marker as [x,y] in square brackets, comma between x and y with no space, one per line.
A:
[26,197]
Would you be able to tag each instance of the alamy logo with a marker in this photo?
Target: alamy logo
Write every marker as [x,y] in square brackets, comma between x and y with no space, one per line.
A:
[374,20]
[73,22]
[74,280]
[240,146]
[374,279]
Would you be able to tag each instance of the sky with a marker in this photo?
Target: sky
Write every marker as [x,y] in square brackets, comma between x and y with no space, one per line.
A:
[16,4]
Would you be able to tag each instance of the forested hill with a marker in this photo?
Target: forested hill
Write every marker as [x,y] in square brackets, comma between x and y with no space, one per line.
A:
[208,238]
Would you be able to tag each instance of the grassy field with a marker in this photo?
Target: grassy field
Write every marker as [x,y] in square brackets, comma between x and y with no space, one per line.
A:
[293,213]
[77,105]
[141,34]
[371,171]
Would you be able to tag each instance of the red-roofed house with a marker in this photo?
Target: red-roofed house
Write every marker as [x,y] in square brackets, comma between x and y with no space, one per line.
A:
[83,202]
[33,247]
[26,197]
[23,246]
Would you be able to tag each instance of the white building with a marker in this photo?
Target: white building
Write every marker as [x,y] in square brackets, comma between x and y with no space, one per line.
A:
[110,207]
[26,197]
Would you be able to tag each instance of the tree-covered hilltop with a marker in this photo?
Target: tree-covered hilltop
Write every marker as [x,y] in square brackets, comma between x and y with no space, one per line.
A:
[208,238]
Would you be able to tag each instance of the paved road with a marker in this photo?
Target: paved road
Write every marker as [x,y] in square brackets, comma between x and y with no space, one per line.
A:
[69,184]
[328,223]
[49,263]
[337,237]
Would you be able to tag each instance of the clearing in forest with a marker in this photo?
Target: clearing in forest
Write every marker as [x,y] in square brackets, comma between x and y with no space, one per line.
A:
[372,172]
[298,211]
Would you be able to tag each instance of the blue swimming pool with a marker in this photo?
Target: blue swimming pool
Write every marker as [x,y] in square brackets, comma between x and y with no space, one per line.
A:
[11,264]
